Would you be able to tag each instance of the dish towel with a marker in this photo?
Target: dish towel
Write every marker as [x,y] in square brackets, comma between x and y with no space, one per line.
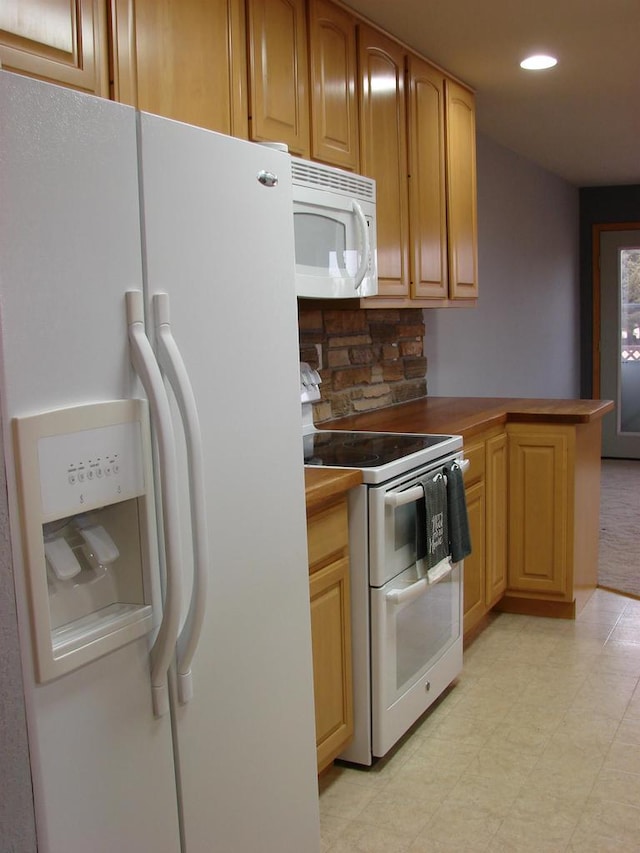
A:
[432,527]
[459,535]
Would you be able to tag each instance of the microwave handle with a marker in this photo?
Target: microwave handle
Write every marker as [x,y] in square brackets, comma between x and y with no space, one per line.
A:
[366,247]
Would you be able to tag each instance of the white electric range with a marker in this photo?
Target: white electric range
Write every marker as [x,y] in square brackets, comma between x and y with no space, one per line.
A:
[406,629]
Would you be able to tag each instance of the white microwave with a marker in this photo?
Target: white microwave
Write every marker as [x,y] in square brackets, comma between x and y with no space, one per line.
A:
[334,216]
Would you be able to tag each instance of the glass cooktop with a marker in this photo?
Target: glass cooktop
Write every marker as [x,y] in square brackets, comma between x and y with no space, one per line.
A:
[340,449]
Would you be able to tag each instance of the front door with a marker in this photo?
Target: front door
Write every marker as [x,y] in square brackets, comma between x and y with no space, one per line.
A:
[620,341]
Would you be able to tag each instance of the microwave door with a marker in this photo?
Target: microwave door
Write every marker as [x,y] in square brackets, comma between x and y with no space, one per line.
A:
[333,251]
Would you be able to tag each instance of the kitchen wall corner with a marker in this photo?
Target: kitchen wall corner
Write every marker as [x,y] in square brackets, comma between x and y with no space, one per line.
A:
[368,359]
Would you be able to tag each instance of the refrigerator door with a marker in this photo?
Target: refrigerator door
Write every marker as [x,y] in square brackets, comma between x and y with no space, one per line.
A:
[219,242]
[101,763]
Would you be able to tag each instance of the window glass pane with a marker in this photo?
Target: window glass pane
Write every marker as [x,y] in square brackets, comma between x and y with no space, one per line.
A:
[630,340]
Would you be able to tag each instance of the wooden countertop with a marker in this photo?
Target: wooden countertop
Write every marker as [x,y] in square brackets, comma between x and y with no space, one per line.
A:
[467,416]
[324,483]
[464,416]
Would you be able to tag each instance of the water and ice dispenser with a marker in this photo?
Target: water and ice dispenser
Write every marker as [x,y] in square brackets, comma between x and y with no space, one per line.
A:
[87,516]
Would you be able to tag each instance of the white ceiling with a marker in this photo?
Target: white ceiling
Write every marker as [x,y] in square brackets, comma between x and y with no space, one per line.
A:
[579,120]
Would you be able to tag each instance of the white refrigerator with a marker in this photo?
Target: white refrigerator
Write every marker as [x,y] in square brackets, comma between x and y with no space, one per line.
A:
[100,201]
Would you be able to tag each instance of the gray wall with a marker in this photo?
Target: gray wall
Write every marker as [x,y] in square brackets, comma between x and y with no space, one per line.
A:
[522,339]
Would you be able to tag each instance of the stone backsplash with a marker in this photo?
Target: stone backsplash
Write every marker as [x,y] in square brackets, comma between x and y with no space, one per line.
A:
[367,359]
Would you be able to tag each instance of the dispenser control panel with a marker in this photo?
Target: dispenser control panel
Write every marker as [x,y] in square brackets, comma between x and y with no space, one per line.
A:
[90,468]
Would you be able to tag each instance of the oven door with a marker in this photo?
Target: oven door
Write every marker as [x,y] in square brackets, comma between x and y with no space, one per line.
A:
[392,522]
[416,649]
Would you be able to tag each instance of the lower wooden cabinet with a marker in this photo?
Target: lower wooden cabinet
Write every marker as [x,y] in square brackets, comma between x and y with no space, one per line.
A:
[328,544]
[486,493]
[554,506]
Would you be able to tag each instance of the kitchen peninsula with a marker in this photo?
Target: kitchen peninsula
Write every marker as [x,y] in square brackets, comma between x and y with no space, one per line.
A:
[533,495]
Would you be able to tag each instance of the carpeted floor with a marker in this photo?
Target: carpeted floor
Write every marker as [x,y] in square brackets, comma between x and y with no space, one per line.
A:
[619,559]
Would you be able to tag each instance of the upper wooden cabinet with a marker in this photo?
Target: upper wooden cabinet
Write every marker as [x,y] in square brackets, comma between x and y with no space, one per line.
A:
[58,41]
[461,192]
[333,70]
[278,73]
[383,154]
[183,59]
[427,185]
[418,143]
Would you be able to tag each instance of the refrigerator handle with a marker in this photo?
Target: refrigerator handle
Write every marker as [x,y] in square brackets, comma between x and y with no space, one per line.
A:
[172,364]
[148,370]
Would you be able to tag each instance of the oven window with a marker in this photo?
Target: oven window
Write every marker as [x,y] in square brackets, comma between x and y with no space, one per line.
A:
[424,630]
[409,637]
[320,242]
[404,536]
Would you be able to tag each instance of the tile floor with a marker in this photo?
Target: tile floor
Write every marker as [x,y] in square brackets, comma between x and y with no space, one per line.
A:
[535,748]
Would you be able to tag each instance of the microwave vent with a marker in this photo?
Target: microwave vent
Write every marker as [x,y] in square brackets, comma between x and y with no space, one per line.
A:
[306,173]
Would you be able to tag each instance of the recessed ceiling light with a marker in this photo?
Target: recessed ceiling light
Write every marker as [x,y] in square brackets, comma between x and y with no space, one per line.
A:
[538,62]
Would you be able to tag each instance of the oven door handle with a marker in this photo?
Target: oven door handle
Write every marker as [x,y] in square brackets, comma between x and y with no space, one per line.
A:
[409,593]
[408,496]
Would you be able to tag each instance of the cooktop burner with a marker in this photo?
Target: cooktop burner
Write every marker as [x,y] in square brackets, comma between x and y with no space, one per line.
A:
[339,449]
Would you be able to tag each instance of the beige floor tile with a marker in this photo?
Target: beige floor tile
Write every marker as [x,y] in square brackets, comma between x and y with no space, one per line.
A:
[617,786]
[359,837]
[493,794]
[344,799]
[331,828]
[606,693]
[426,844]
[570,781]
[399,813]
[623,756]
[633,708]
[436,754]
[536,723]
[590,733]
[604,601]
[460,727]
[501,765]
[626,631]
[537,822]
[472,828]
[621,658]
[429,787]
[608,823]
[629,729]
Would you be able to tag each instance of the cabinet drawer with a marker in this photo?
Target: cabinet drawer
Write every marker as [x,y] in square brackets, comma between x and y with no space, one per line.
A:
[327,533]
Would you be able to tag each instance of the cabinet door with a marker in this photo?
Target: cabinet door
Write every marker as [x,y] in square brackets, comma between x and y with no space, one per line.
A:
[496,518]
[334,108]
[279,95]
[474,564]
[383,153]
[461,191]
[539,510]
[331,643]
[58,41]
[183,59]
[427,192]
